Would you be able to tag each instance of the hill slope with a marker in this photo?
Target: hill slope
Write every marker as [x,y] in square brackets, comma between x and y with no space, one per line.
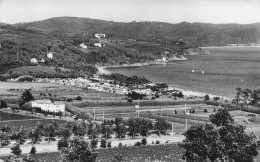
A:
[201,34]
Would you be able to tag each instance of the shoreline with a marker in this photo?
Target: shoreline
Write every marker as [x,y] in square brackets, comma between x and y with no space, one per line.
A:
[186,92]
[229,47]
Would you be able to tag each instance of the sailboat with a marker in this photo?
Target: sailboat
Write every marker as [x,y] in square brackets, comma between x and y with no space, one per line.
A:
[193,71]
[202,72]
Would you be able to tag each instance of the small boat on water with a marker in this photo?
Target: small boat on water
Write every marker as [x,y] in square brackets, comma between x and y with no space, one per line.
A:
[193,71]
[202,72]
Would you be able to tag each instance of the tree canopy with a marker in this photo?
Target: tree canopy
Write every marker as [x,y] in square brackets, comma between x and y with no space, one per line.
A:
[220,141]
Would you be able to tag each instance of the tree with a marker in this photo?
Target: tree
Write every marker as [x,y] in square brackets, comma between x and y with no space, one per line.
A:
[80,128]
[3,104]
[78,98]
[222,117]
[33,150]
[35,135]
[27,96]
[51,130]
[78,150]
[120,128]
[94,130]
[206,98]
[220,141]
[132,126]
[4,138]
[65,131]
[106,130]
[237,97]
[62,143]
[16,149]
[103,143]
[161,125]
[20,135]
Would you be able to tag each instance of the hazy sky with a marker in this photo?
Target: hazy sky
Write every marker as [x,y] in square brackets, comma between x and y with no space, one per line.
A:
[173,11]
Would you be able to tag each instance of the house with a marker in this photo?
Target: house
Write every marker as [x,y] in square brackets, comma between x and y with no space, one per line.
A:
[82,45]
[98,44]
[34,61]
[50,55]
[100,35]
[48,105]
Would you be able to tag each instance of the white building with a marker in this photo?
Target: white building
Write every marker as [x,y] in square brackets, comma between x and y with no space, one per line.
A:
[100,35]
[98,44]
[47,105]
[34,61]
[82,45]
[50,55]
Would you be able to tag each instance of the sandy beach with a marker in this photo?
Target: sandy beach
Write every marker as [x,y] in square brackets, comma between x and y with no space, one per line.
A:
[103,70]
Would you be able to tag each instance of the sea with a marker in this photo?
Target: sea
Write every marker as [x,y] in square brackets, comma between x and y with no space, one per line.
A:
[220,72]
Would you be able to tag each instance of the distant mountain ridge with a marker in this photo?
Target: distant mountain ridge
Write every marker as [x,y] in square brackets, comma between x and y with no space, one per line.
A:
[201,34]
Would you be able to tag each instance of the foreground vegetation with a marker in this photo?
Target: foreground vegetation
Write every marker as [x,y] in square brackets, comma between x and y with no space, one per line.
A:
[168,152]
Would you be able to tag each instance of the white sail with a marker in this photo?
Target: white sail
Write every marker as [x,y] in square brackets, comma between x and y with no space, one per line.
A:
[202,72]
[193,71]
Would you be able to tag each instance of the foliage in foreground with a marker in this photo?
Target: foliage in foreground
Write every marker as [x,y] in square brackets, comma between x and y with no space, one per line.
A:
[220,141]
[78,150]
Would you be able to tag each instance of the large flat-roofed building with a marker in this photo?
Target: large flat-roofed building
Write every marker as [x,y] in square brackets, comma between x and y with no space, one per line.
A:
[100,35]
[48,105]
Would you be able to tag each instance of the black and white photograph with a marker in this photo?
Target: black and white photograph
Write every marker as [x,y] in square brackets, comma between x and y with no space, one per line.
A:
[129,80]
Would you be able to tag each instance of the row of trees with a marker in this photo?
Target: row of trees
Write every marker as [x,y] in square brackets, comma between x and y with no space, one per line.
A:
[247,96]
[131,127]
[123,80]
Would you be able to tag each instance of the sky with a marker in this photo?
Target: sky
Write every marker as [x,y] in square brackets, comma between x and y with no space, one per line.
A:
[172,11]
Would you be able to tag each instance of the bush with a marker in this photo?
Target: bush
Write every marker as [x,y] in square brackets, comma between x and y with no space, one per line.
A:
[205,110]
[16,149]
[3,104]
[120,144]
[109,145]
[157,142]
[192,111]
[33,150]
[62,143]
[103,143]
[94,143]
[129,100]
[78,98]
[152,142]
[144,141]
[138,144]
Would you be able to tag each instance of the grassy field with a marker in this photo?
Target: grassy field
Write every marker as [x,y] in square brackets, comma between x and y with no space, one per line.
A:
[10,116]
[168,153]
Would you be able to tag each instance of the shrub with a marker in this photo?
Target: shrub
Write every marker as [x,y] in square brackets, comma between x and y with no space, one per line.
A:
[33,150]
[62,143]
[138,144]
[129,100]
[103,143]
[109,145]
[144,141]
[3,104]
[157,142]
[120,144]
[78,98]
[94,143]
[205,110]
[152,142]
[16,149]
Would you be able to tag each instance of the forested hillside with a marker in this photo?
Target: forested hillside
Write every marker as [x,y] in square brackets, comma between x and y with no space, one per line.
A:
[19,45]
[134,42]
[201,34]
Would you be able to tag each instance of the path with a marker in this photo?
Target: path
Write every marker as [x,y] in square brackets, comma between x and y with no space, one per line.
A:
[52,147]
